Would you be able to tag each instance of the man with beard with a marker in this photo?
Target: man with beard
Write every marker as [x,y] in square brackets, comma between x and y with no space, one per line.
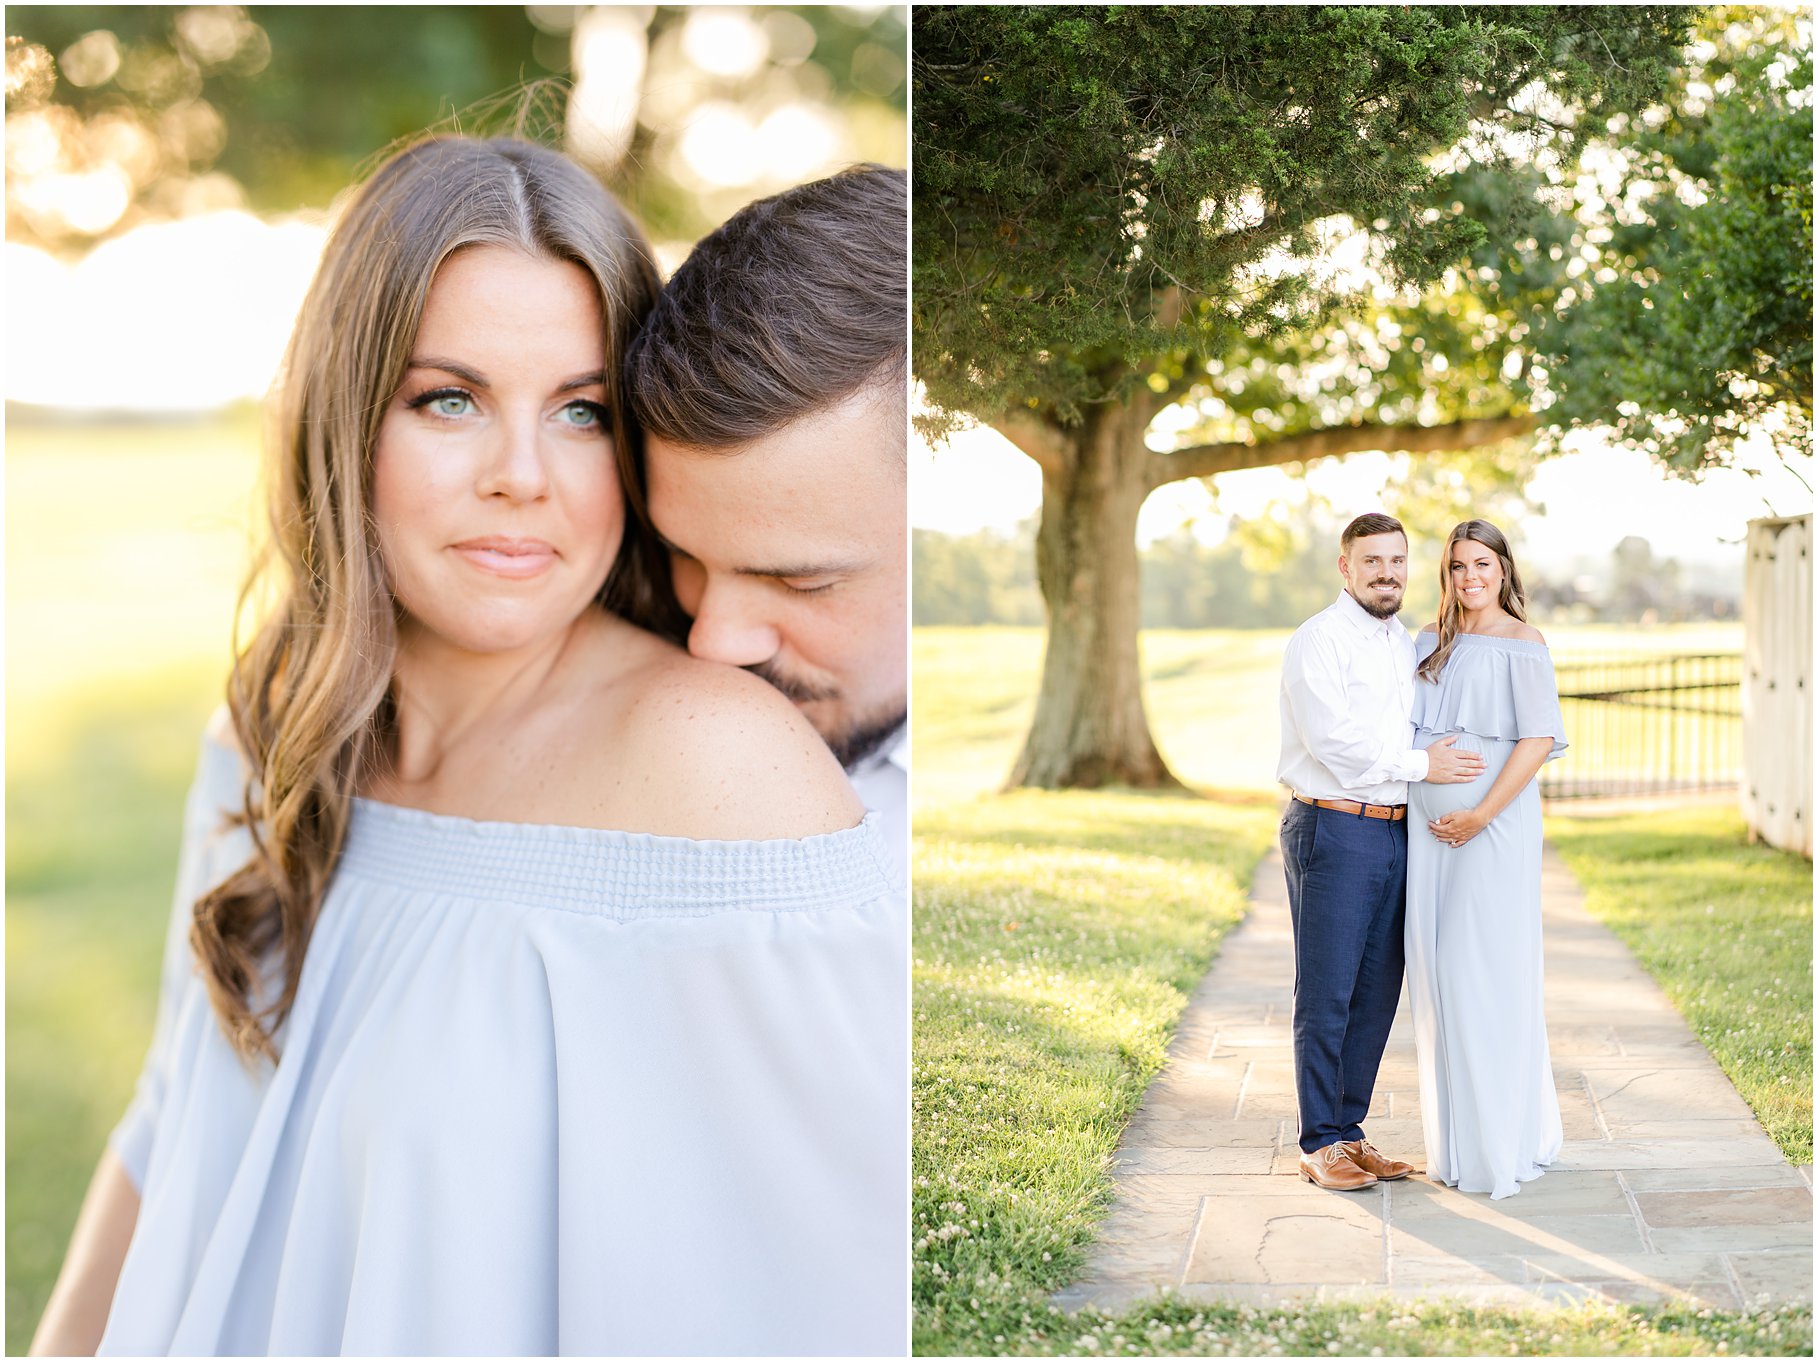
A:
[771,384]
[1347,688]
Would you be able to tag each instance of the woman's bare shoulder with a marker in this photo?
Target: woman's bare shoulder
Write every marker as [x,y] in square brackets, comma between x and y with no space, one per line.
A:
[708,751]
[1526,632]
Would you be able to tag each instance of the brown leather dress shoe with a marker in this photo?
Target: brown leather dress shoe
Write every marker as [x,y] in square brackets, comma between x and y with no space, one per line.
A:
[1372,1160]
[1332,1168]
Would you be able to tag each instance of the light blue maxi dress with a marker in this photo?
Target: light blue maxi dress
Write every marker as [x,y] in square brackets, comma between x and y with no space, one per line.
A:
[544,1089]
[1488,1107]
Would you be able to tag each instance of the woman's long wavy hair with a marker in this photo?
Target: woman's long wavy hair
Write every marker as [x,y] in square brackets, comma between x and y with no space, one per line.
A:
[1512,598]
[310,694]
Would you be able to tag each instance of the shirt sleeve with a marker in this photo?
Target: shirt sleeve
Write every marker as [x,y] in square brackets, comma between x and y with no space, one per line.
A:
[1349,745]
[213,793]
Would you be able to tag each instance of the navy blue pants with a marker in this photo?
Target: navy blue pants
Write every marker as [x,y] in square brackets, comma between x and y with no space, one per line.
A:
[1347,894]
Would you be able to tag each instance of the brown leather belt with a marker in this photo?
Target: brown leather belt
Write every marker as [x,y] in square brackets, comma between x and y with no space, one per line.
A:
[1392,813]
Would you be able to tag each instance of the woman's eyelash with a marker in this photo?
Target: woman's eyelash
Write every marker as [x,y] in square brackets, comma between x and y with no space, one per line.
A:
[421,400]
[811,590]
[436,394]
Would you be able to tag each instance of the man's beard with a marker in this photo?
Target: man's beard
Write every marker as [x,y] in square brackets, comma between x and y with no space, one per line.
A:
[860,740]
[1382,612]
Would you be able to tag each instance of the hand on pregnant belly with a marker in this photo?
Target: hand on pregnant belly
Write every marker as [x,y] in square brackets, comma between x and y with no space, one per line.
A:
[1450,811]
[1455,829]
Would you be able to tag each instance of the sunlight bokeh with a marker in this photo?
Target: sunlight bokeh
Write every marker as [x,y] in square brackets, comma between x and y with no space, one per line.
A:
[180,316]
[185,301]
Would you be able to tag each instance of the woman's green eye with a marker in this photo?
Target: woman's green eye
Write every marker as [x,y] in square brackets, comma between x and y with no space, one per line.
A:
[452,404]
[584,414]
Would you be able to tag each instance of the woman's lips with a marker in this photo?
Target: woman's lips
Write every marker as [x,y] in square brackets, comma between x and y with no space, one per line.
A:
[514,558]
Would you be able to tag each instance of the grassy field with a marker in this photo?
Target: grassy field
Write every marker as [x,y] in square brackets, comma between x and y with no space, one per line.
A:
[1727,930]
[125,546]
[1211,696]
[1386,1328]
[1057,938]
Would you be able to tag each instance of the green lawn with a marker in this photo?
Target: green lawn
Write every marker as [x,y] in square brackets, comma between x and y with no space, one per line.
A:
[970,719]
[1057,939]
[125,546]
[1727,930]
[1211,697]
[1389,1328]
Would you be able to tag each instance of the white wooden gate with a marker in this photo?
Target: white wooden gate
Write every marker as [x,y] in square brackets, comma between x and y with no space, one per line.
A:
[1776,684]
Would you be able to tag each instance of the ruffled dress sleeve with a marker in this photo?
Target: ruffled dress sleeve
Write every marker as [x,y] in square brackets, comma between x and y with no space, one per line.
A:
[543,1090]
[1493,688]
[210,851]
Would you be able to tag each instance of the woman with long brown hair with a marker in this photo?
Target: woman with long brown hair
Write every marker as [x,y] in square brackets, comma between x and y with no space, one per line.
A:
[1488,1109]
[532,987]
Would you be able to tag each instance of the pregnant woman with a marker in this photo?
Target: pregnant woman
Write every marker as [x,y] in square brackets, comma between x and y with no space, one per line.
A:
[532,987]
[1487,1104]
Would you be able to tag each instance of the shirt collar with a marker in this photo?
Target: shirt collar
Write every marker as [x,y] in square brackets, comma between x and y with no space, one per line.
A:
[1363,621]
[898,753]
[894,753]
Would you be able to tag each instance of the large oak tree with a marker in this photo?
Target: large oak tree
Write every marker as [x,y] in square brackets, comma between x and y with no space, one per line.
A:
[1256,224]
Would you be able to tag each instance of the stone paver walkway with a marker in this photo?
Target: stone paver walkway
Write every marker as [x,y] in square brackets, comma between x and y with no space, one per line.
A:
[1666,1187]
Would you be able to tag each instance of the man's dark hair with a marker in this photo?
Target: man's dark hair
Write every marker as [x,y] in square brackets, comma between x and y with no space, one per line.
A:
[1366,525]
[796,303]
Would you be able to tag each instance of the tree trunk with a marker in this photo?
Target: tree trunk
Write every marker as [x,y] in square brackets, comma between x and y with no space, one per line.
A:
[1090,728]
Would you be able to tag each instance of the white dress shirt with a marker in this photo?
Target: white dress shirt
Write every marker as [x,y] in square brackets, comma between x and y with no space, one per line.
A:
[882,783]
[1347,689]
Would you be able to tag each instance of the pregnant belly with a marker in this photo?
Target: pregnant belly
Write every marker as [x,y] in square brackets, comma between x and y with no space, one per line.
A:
[1428,801]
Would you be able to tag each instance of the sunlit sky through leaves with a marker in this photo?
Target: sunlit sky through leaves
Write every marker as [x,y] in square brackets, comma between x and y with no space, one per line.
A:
[190,311]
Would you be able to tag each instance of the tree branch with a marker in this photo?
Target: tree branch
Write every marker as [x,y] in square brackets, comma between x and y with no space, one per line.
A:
[1199,461]
[1035,437]
[1166,309]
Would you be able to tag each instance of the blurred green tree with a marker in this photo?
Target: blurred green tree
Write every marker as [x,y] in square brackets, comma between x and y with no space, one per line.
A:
[121,114]
[982,578]
[1163,243]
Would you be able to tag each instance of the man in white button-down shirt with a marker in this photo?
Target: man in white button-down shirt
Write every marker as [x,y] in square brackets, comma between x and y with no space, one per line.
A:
[1347,688]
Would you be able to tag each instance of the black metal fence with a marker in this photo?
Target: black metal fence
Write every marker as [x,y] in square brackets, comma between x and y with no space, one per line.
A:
[1648,725]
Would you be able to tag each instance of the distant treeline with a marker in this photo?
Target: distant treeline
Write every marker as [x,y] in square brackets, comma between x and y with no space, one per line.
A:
[1249,582]
[989,578]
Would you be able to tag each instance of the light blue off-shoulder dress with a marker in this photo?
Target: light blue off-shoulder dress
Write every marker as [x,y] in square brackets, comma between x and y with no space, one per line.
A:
[543,1090]
[1488,1108]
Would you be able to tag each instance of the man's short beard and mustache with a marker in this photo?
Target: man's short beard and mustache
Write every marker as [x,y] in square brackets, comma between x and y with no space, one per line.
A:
[1382,612]
[859,741]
